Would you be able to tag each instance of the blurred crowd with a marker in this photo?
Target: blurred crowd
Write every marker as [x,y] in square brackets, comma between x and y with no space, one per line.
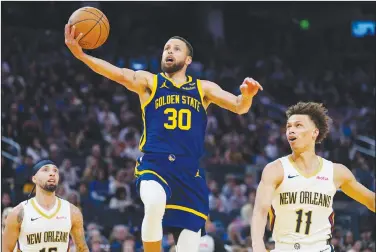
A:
[55,107]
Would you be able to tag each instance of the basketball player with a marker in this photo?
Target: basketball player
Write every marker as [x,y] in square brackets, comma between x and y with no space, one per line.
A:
[174,115]
[298,190]
[44,222]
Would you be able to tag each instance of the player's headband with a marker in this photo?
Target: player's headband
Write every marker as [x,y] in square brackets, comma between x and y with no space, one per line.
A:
[40,164]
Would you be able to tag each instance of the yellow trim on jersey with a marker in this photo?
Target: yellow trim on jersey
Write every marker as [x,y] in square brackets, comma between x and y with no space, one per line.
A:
[306,175]
[199,88]
[139,173]
[176,85]
[153,91]
[187,209]
[43,214]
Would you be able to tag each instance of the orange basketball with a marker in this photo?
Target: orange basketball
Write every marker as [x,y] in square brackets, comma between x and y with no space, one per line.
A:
[93,24]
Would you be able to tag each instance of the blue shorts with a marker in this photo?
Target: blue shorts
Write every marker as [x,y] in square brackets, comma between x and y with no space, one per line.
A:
[184,182]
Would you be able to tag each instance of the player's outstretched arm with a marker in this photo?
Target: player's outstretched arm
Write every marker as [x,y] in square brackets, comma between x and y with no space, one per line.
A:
[12,229]
[77,231]
[136,81]
[272,176]
[352,188]
[238,104]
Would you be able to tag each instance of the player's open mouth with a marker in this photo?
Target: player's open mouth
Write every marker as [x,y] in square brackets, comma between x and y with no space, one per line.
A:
[169,59]
[292,139]
[51,180]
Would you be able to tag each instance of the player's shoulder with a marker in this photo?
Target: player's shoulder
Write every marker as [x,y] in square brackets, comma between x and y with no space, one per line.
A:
[142,77]
[206,84]
[273,171]
[144,74]
[16,215]
[76,215]
[341,172]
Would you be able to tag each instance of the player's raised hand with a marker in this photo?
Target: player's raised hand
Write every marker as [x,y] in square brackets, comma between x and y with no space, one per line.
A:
[71,41]
[250,87]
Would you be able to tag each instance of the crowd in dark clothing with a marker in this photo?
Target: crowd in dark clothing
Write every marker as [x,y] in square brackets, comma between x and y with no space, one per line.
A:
[55,107]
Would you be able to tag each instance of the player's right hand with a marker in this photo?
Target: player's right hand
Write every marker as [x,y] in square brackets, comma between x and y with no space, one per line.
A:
[72,42]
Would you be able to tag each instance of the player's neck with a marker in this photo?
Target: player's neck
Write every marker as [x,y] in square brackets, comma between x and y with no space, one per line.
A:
[178,77]
[45,199]
[305,159]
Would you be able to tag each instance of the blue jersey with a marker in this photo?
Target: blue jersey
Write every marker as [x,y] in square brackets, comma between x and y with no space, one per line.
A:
[174,118]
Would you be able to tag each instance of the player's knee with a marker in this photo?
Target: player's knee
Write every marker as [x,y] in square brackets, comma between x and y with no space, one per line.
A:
[154,198]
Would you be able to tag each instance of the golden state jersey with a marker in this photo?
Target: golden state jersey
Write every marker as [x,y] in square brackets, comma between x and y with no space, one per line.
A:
[174,118]
[45,231]
[301,209]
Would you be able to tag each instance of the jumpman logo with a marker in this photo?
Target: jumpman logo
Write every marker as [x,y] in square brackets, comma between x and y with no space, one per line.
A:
[198,174]
[164,85]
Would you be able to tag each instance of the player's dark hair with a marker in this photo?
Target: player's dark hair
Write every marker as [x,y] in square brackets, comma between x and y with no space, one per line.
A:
[190,47]
[316,112]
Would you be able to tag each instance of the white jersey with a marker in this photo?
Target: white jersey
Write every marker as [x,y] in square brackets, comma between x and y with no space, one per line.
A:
[301,209]
[45,231]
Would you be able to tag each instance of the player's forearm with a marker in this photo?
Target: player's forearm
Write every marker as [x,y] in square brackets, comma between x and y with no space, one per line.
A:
[103,68]
[258,224]
[243,104]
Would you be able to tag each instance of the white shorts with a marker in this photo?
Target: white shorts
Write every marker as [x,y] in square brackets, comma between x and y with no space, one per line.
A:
[298,247]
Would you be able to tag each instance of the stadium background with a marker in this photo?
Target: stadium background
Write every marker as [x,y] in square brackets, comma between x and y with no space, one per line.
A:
[54,106]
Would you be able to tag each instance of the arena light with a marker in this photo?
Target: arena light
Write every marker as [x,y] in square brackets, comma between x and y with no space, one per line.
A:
[304,24]
[363,28]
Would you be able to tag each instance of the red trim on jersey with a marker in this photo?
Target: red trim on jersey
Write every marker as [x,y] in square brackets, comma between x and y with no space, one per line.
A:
[331,220]
[272,217]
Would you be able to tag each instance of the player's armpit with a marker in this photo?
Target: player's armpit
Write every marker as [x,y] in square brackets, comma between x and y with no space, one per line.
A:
[272,176]
[136,81]
[77,231]
[215,94]
[12,229]
[353,188]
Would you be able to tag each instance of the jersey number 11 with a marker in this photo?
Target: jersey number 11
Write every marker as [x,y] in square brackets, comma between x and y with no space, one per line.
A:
[299,221]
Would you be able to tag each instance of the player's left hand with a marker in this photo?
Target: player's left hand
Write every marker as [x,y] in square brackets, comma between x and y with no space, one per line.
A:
[250,87]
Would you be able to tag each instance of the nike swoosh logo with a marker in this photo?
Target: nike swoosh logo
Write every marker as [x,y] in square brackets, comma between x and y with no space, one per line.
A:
[324,250]
[33,219]
[289,176]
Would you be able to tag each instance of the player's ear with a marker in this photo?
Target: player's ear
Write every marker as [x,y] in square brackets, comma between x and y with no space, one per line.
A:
[315,133]
[188,60]
[34,179]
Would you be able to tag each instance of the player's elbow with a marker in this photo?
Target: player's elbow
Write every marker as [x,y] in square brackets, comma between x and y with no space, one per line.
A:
[242,111]
[371,203]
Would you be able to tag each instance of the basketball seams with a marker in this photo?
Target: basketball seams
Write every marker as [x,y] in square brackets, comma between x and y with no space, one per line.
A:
[92,29]
[84,20]
[100,31]
[104,23]
[99,13]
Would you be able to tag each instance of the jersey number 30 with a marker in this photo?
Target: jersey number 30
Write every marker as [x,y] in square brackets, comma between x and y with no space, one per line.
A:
[299,221]
[181,119]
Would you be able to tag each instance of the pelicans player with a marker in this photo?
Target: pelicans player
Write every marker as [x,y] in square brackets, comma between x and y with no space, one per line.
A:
[44,223]
[170,182]
[298,190]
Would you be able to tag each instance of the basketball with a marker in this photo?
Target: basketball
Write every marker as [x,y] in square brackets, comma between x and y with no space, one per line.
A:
[93,24]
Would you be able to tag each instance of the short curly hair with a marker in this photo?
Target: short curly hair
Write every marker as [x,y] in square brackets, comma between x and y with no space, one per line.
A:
[316,112]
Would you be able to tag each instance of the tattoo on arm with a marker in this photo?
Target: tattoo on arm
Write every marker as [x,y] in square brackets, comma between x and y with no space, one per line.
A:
[134,76]
[20,215]
[77,231]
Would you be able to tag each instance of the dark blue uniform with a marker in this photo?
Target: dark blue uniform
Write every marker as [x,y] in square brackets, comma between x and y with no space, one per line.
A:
[173,142]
